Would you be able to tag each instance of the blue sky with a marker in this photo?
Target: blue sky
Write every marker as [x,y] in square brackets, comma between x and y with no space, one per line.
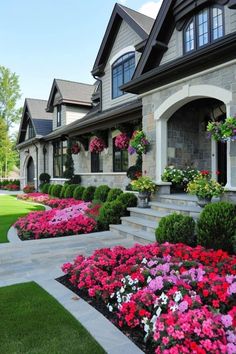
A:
[46,39]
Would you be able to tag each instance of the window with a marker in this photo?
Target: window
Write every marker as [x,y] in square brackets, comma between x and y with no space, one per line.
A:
[58,115]
[31,133]
[120,159]
[59,158]
[122,71]
[96,162]
[204,28]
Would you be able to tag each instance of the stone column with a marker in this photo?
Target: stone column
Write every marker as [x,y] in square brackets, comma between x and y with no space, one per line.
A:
[161,148]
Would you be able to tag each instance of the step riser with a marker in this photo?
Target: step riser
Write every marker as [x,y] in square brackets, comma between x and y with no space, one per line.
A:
[176,201]
[128,234]
[170,210]
[138,226]
[145,216]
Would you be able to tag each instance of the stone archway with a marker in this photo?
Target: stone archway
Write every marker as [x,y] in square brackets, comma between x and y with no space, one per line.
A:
[171,105]
[30,171]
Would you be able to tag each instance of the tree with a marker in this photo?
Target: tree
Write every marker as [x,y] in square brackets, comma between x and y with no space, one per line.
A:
[69,164]
[9,95]
[8,155]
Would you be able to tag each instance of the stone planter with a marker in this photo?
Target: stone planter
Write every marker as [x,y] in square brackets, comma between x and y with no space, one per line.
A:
[202,202]
[143,199]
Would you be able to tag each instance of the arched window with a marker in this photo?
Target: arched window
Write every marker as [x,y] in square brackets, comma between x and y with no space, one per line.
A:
[205,27]
[122,71]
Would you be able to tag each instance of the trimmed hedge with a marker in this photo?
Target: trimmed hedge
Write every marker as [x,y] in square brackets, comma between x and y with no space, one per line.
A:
[50,189]
[78,192]
[129,200]
[69,190]
[56,190]
[176,228]
[216,227]
[45,188]
[101,193]
[88,194]
[62,195]
[113,194]
[110,213]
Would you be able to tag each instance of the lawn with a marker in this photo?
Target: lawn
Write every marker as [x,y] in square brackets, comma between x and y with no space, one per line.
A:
[33,322]
[10,210]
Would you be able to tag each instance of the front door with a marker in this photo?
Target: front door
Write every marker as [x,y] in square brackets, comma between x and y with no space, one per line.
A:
[222,162]
[30,171]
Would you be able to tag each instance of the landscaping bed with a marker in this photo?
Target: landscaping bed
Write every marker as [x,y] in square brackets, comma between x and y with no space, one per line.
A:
[168,298]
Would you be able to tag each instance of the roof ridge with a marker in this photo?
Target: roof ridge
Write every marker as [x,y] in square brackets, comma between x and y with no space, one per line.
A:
[35,99]
[75,82]
[140,13]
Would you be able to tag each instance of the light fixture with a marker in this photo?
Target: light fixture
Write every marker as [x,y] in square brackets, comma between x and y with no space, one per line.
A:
[27,152]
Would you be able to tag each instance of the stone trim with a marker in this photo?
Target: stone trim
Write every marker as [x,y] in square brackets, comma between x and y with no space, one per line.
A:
[103,174]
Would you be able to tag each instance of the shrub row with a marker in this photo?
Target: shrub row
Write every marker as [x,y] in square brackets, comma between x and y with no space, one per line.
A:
[215,228]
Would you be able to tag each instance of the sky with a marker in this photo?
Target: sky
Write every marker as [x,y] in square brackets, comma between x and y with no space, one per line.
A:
[46,39]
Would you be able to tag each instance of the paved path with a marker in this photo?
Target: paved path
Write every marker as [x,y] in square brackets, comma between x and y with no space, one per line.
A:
[40,261]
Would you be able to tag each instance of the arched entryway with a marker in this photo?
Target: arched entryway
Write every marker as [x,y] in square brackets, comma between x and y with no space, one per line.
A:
[30,171]
[180,130]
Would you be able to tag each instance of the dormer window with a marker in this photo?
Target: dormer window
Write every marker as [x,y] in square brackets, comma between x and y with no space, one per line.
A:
[204,28]
[31,133]
[58,115]
[122,72]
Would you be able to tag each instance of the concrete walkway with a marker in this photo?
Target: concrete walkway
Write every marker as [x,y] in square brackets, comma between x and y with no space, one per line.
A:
[40,261]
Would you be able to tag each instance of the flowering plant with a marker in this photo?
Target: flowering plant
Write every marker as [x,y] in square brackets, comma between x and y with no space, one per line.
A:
[75,149]
[179,176]
[205,187]
[223,130]
[177,298]
[12,187]
[144,184]
[29,188]
[139,143]
[122,141]
[97,145]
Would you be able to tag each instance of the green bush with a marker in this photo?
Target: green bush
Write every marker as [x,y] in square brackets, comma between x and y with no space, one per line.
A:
[129,200]
[113,194]
[216,226]
[76,179]
[50,189]
[44,178]
[56,190]
[78,192]
[45,187]
[88,193]
[101,193]
[176,228]
[63,191]
[110,213]
[70,190]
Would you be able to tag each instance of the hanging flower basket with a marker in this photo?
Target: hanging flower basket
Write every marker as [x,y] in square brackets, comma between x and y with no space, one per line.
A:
[122,141]
[97,145]
[75,149]
[139,143]
[223,130]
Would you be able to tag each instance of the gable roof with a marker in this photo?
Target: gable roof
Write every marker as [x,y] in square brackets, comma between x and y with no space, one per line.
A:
[35,111]
[140,23]
[70,92]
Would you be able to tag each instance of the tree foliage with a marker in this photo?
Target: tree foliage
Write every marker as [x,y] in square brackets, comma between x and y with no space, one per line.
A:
[8,155]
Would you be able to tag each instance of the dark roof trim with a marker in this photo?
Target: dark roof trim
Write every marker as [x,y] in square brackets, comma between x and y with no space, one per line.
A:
[202,59]
[114,23]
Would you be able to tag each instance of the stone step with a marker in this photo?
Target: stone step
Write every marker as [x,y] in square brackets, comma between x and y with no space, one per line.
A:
[139,223]
[143,237]
[178,199]
[148,214]
[193,211]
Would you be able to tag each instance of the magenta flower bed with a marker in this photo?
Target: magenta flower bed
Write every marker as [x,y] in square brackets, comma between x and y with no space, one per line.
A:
[50,201]
[177,299]
[56,222]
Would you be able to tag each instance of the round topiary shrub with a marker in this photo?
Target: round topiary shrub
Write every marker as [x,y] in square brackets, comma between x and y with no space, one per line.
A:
[101,193]
[50,189]
[45,188]
[56,190]
[76,179]
[216,226]
[44,178]
[129,200]
[63,191]
[78,192]
[70,190]
[113,194]
[110,213]
[176,228]
[88,194]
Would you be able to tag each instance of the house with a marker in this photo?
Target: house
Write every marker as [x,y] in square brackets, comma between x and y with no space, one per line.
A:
[106,109]
[186,77]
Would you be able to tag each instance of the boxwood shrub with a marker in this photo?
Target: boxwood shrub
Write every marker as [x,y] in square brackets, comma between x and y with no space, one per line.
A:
[70,190]
[63,191]
[88,194]
[45,188]
[176,228]
[101,193]
[78,192]
[50,189]
[110,213]
[113,194]
[56,190]
[129,200]
[216,226]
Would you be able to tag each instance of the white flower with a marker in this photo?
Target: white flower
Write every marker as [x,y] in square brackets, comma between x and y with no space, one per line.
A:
[174,308]
[133,288]
[158,312]
[112,295]
[147,328]
[144,261]
[110,308]
[122,290]
[177,296]
[131,282]
[163,298]
[149,279]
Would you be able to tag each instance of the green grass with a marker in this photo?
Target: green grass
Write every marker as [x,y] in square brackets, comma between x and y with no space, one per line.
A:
[33,322]
[10,210]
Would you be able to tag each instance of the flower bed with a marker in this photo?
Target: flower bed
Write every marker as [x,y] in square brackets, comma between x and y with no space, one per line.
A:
[47,200]
[177,299]
[56,222]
